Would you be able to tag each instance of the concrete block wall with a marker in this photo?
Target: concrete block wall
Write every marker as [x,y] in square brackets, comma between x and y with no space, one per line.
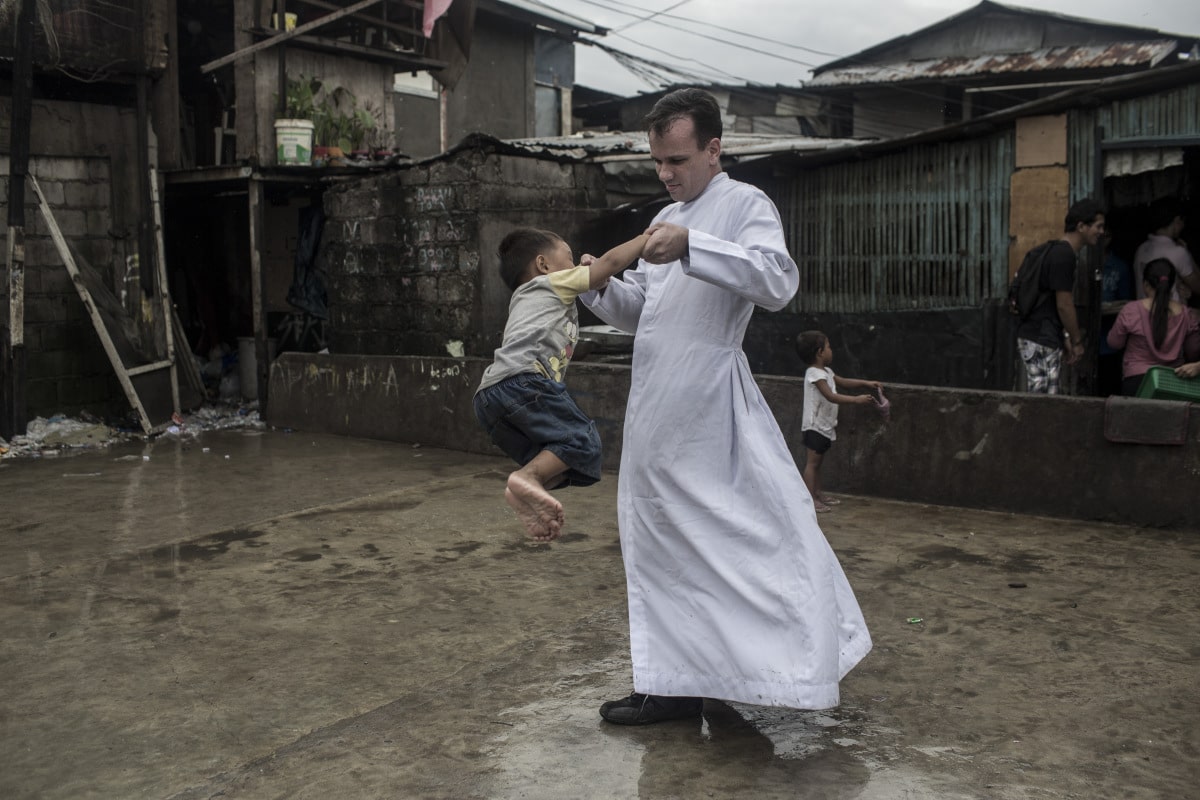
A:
[409,255]
[66,367]
[1009,452]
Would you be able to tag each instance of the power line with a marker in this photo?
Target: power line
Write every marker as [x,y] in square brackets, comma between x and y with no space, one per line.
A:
[656,74]
[608,6]
[640,20]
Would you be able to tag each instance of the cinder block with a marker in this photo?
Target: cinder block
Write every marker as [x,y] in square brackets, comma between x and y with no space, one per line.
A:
[456,289]
[437,258]
[63,169]
[414,176]
[100,169]
[54,193]
[41,397]
[432,199]
[44,308]
[468,261]
[454,228]
[396,258]
[453,170]
[518,171]
[88,195]
[427,288]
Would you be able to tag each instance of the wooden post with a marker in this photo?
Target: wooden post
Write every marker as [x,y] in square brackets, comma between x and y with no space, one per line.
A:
[12,393]
[257,290]
[164,294]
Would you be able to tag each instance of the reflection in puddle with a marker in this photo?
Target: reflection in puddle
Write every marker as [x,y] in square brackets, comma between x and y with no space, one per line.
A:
[559,747]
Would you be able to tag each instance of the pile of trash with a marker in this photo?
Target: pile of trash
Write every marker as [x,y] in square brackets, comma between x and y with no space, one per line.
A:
[62,435]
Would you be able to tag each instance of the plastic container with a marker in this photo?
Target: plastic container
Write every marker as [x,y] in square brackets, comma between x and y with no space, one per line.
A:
[293,141]
[1161,383]
[248,365]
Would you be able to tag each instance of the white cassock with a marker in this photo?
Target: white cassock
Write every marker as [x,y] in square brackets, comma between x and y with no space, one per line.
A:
[734,593]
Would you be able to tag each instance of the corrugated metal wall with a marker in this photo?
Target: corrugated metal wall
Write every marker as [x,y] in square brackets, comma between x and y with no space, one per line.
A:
[923,228]
[1173,113]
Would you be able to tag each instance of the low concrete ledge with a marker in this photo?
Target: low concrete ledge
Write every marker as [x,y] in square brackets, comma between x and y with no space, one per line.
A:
[1022,453]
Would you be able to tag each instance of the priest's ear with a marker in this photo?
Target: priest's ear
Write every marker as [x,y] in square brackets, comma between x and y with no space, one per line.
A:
[713,151]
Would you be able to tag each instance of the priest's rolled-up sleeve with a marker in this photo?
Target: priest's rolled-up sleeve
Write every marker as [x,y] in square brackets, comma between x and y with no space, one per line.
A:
[620,305]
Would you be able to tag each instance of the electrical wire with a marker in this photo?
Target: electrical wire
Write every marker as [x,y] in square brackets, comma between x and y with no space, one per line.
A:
[640,20]
[908,90]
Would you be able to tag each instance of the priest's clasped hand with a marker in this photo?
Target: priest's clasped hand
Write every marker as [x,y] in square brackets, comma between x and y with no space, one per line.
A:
[667,243]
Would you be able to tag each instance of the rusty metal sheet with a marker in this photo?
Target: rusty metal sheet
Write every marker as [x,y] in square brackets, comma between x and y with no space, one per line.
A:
[1119,54]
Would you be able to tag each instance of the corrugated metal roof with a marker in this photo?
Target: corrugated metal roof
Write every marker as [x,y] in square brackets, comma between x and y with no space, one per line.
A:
[553,15]
[1119,54]
[617,145]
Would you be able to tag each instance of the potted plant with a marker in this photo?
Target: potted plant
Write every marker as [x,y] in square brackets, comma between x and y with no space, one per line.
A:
[294,130]
[378,138]
[335,121]
[361,125]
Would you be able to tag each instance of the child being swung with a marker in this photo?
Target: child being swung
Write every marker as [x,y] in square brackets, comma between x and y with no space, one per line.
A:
[522,401]
[822,396]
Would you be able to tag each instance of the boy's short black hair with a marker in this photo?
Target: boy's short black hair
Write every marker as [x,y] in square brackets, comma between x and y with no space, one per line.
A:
[518,250]
[1084,211]
[808,344]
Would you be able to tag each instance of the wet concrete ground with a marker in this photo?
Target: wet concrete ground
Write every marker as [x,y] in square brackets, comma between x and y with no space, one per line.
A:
[298,616]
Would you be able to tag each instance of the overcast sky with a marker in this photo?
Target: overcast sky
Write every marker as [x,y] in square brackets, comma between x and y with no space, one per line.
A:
[834,28]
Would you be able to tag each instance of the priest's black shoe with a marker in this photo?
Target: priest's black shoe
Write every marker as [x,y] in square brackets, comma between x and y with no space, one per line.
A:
[643,709]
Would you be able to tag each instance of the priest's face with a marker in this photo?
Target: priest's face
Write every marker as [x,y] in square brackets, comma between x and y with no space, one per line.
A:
[684,164]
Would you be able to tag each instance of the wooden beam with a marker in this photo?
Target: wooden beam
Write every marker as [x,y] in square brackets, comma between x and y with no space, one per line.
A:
[164,293]
[403,59]
[378,21]
[13,416]
[238,55]
[258,293]
[110,349]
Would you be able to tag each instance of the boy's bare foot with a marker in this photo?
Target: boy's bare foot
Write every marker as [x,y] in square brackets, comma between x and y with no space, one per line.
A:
[829,501]
[537,509]
[821,506]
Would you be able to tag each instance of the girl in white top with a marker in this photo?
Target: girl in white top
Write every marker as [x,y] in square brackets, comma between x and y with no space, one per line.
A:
[821,401]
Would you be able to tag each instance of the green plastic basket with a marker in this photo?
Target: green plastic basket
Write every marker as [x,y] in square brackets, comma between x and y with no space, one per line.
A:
[1161,383]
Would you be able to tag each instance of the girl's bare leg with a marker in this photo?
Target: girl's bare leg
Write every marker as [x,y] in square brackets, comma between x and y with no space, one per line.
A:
[526,492]
[812,479]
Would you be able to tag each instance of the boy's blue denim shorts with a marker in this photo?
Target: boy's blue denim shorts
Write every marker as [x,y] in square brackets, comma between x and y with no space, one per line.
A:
[528,413]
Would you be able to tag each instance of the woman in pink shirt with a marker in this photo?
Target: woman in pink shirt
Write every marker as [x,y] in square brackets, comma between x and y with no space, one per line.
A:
[1155,331]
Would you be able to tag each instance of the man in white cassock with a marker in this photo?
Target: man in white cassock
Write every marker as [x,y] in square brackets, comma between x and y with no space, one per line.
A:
[734,593]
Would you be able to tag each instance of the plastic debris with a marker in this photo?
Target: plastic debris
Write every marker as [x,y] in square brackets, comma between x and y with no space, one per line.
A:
[46,438]
[915,620]
[882,404]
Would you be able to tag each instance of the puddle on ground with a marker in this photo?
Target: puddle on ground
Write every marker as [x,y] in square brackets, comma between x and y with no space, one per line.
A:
[207,548]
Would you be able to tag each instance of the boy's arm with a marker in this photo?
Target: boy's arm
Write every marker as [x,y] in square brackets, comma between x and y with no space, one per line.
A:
[841,399]
[615,260]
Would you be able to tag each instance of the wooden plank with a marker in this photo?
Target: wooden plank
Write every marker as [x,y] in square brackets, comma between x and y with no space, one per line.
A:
[257,291]
[164,294]
[14,356]
[238,55]
[367,18]
[110,349]
[12,392]
[157,365]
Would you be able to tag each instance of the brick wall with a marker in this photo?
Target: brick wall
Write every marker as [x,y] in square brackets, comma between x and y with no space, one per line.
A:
[410,255]
[66,367]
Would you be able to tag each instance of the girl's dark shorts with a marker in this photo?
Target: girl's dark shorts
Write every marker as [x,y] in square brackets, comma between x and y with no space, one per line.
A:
[817,442]
[528,413]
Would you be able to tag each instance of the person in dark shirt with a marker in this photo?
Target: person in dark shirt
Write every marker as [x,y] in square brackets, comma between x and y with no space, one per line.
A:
[1051,331]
